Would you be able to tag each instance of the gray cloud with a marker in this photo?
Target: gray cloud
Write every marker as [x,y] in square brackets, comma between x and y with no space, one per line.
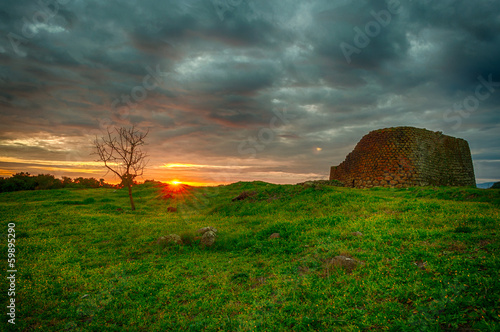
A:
[227,67]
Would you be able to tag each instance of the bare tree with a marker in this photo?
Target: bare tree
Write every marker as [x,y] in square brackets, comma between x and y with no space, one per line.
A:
[122,155]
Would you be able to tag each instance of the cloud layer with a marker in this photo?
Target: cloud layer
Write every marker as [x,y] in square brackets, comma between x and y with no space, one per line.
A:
[243,89]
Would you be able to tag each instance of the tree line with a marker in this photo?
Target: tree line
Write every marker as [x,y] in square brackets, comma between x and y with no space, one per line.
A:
[25,181]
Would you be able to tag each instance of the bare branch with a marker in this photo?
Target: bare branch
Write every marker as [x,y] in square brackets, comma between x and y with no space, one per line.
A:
[122,154]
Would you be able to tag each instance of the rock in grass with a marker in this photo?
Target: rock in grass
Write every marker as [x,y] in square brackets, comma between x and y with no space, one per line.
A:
[347,263]
[244,195]
[206,229]
[420,264]
[209,235]
[274,236]
[169,239]
[208,238]
[357,233]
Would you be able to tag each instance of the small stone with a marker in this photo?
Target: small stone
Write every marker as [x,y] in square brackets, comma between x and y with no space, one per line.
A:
[347,263]
[208,238]
[274,236]
[357,233]
[209,235]
[206,229]
[169,239]
[420,264]
[244,195]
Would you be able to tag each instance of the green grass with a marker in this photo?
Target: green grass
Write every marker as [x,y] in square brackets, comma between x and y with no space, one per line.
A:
[87,263]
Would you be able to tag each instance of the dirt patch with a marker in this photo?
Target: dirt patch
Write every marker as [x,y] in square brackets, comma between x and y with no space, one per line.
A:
[346,263]
[244,195]
[457,246]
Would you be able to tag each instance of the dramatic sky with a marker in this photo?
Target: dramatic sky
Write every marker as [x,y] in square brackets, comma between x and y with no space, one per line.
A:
[241,90]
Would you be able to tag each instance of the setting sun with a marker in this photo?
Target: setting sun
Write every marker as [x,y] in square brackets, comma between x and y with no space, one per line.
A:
[175,182]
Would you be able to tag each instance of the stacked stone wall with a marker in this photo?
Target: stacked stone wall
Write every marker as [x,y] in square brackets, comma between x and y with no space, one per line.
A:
[406,157]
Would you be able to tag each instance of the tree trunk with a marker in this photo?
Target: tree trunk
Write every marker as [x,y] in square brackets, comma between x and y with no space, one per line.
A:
[130,195]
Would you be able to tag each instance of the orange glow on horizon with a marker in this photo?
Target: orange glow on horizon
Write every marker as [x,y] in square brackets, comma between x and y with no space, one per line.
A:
[109,178]
[195,182]
[188,183]
[191,183]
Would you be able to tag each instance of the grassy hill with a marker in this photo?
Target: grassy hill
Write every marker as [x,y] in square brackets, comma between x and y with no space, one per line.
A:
[428,259]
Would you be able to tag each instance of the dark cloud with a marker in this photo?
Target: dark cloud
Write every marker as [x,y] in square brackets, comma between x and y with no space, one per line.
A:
[267,84]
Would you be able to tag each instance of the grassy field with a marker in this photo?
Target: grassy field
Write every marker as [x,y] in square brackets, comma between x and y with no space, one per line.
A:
[428,259]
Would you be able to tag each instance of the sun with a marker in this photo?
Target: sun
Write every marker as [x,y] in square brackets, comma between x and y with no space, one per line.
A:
[174,188]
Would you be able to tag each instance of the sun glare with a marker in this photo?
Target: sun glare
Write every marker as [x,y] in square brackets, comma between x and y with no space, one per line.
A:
[175,188]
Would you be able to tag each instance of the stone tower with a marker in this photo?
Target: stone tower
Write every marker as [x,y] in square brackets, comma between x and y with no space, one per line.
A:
[406,157]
